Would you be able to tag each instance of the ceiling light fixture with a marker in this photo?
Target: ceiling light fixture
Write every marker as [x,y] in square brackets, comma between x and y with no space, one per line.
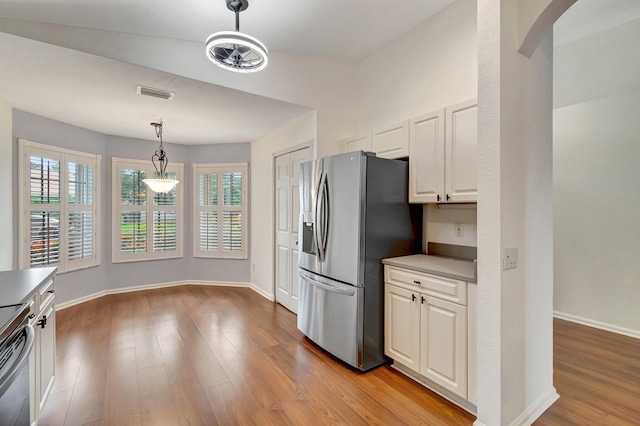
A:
[160,160]
[236,51]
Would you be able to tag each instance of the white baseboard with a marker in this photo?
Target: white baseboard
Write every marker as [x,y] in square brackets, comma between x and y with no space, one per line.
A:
[92,296]
[536,409]
[271,297]
[597,324]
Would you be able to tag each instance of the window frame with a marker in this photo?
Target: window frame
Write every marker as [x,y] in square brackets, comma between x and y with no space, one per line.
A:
[64,156]
[221,168]
[117,164]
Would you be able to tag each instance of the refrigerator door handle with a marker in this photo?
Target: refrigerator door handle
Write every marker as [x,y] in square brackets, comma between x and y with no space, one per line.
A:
[325,286]
[320,217]
[326,207]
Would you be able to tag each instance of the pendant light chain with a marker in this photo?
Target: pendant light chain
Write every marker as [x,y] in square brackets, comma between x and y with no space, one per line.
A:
[160,155]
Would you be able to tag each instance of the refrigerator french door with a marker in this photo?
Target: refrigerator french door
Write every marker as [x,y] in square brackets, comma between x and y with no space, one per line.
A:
[354,213]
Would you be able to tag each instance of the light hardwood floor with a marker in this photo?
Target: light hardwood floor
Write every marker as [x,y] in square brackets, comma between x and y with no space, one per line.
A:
[196,355]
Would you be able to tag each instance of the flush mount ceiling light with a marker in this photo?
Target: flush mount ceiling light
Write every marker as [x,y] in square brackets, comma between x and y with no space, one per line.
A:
[236,51]
[160,161]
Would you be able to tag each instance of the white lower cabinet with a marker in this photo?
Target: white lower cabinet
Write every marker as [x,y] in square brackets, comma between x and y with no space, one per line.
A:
[47,348]
[443,349]
[424,332]
[402,334]
[42,359]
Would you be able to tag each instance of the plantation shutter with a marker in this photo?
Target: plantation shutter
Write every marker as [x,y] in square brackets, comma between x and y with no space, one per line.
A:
[232,217]
[59,198]
[81,220]
[220,211]
[133,215]
[165,219]
[149,224]
[208,214]
[44,209]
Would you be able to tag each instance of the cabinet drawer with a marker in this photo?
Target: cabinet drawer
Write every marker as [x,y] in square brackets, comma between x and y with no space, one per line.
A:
[46,294]
[443,288]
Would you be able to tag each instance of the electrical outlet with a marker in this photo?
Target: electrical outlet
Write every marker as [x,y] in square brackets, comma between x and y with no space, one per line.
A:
[459,229]
[510,258]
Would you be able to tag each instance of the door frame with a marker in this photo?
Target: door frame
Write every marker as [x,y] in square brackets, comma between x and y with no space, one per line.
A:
[274,227]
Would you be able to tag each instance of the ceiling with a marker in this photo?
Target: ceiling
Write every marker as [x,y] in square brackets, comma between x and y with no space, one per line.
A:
[98,93]
[588,17]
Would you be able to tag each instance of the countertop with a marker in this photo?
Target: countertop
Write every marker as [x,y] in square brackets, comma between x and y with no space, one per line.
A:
[459,269]
[18,286]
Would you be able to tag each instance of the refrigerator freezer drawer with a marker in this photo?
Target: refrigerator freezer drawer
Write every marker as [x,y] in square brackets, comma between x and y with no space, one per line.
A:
[329,313]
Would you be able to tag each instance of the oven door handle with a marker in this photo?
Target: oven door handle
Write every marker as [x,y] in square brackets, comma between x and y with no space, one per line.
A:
[8,378]
[325,286]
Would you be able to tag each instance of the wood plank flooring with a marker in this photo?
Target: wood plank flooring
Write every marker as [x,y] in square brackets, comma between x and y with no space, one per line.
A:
[197,355]
[596,374]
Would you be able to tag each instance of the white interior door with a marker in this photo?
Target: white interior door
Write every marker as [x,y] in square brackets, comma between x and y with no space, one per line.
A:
[287,204]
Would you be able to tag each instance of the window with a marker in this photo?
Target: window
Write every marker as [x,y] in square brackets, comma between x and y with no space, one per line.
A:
[146,225]
[220,210]
[59,224]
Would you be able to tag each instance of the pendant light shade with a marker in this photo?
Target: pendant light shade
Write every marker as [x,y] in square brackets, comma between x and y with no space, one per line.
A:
[160,160]
[236,51]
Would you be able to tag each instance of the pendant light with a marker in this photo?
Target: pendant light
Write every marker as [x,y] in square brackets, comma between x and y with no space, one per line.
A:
[236,51]
[160,160]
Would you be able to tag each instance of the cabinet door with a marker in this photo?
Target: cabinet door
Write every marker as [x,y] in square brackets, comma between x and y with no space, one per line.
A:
[461,170]
[356,144]
[402,326]
[426,158]
[47,351]
[444,344]
[391,141]
[34,361]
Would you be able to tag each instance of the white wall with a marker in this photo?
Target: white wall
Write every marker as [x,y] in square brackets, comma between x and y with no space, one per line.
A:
[6,186]
[432,66]
[440,224]
[596,178]
[440,69]
[515,368]
[324,83]
[108,276]
[299,131]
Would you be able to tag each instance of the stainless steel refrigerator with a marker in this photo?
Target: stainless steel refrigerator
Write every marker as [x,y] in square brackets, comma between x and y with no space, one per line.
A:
[354,212]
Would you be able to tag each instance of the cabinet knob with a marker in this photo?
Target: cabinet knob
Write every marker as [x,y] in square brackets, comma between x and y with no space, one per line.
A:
[31,316]
[422,299]
[413,297]
[51,291]
[416,282]
[438,197]
[448,197]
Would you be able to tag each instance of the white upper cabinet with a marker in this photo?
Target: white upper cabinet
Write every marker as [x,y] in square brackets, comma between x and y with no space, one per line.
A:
[461,152]
[442,155]
[391,141]
[426,158]
[360,143]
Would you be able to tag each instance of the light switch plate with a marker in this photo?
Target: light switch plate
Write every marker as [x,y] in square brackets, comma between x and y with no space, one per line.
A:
[510,258]
[459,231]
